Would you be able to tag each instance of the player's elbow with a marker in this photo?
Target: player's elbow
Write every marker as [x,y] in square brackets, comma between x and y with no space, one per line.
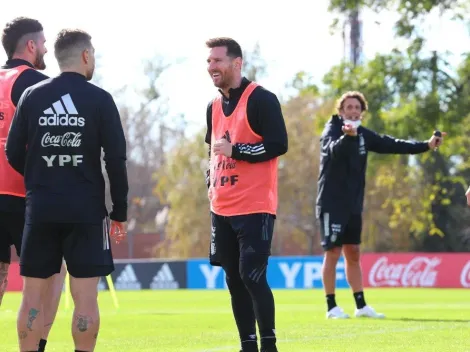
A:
[276,149]
[283,148]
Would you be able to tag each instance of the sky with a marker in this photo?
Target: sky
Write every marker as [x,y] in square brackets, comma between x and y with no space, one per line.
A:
[293,36]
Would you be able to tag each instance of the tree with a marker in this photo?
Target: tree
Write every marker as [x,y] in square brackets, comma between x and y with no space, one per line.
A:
[181,186]
[410,94]
[411,11]
[147,128]
[297,229]
[254,66]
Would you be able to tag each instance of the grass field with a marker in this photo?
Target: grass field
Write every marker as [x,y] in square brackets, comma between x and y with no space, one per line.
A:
[422,320]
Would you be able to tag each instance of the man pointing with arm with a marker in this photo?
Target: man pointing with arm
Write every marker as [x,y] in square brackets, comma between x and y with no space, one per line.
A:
[341,183]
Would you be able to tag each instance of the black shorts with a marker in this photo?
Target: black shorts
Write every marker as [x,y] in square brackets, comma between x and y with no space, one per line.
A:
[336,231]
[233,237]
[86,249]
[11,231]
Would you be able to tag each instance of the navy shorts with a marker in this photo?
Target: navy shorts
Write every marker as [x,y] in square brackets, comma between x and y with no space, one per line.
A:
[85,247]
[11,231]
[337,230]
[233,237]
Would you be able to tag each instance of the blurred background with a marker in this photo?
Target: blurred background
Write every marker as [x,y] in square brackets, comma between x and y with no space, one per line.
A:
[410,58]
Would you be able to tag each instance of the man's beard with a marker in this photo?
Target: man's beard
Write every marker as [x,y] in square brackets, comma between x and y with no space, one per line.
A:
[89,74]
[39,62]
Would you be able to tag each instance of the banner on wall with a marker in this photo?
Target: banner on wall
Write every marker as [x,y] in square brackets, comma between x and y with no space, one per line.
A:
[282,272]
[440,270]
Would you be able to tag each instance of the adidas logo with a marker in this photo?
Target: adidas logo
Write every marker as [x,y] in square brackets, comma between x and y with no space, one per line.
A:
[249,250]
[227,136]
[164,279]
[58,114]
[127,280]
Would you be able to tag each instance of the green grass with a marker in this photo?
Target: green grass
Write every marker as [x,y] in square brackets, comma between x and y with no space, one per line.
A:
[423,320]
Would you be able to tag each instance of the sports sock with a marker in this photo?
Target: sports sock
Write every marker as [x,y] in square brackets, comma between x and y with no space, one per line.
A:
[42,345]
[331,301]
[360,300]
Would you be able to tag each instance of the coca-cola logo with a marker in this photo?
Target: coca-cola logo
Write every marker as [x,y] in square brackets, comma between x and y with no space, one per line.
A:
[465,275]
[68,139]
[418,272]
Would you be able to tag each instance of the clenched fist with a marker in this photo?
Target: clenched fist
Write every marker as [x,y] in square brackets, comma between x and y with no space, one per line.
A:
[223,147]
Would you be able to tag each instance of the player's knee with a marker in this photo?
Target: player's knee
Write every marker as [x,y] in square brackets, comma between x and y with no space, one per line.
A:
[32,298]
[234,282]
[352,253]
[253,270]
[332,256]
[84,291]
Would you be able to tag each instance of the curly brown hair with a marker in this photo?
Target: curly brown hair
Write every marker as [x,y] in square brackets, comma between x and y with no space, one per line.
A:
[352,94]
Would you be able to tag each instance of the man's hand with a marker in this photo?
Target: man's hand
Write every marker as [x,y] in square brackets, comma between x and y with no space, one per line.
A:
[118,231]
[349,130]
[435,141]
[223,147]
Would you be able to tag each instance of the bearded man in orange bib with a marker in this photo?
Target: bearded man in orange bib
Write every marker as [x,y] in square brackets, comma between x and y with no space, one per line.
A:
[246,133]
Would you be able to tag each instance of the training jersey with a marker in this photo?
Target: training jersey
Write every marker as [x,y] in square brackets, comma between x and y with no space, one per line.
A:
[60,128]
[239,187]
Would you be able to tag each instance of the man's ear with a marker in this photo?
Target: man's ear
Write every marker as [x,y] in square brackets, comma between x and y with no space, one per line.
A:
[239,62]
[31,45]
[85,56]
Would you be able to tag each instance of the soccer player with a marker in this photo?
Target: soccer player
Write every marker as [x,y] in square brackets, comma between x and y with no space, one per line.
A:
[344,148]
[58,132]
[246,134]
[24,44]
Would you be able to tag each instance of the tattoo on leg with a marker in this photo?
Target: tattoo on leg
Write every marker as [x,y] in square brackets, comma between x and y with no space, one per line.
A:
[33,314]
[22,335]
[3,279]
[83,321]
[3,288]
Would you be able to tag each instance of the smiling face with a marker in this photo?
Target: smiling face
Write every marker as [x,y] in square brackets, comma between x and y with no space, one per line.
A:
[222,68]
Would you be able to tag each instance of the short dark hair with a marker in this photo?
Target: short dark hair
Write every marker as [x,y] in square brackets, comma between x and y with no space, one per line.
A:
[233,48]
[68,43]
[17,29]
[352,94]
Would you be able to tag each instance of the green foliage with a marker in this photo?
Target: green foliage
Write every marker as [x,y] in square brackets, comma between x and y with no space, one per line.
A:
[411,11]
[181,185]
[412,202]
[411,94]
